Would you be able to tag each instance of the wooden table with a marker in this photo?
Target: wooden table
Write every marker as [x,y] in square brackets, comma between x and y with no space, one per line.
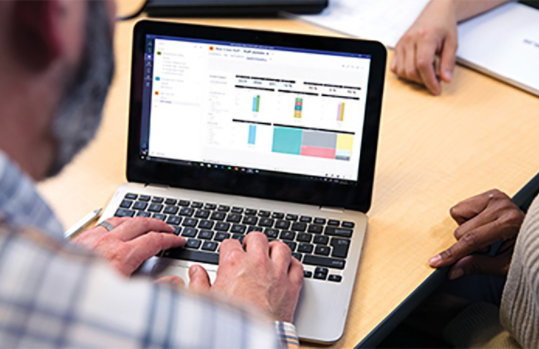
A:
[433,152]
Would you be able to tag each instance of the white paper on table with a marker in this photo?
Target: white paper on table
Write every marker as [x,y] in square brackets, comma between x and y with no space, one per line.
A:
[503,43]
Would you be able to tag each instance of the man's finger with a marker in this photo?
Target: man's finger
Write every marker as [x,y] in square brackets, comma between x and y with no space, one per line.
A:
[425,65]
[469,243]
[256,243]
[480,264]
[138,226]
[173,280]
[410,69]
[485,217]
[149,245]
[229,250]
[470,207]
[199,280]
[296,272]
[447,58]
[280,255]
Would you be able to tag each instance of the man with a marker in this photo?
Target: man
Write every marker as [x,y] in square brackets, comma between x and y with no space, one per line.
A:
[55,68]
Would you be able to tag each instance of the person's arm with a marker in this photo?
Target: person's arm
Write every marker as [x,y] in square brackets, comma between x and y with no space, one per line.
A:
[435,33]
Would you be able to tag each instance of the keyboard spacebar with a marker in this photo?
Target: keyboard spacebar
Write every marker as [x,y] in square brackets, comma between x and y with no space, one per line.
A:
[190,255]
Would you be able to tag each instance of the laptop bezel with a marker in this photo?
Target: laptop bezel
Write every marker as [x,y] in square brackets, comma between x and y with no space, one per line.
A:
[288,188]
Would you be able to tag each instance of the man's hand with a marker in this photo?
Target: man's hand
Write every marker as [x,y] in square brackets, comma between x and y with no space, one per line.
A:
[264,275]
[483,219]
[130,242]
[434,32]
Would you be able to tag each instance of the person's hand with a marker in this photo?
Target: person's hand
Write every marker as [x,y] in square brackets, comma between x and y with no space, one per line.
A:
[483,219]
[131,242]
[264,275]
[434,32]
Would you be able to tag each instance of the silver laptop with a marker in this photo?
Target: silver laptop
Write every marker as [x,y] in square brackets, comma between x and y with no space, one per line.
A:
[233,131]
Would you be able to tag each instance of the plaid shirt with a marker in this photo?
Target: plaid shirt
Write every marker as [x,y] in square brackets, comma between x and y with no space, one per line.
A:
[53,294]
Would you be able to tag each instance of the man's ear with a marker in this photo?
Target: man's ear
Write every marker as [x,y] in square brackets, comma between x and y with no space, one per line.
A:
[36,32]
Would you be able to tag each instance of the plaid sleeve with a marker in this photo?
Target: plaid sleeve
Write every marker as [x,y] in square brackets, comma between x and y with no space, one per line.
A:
[287,334]
[54,296]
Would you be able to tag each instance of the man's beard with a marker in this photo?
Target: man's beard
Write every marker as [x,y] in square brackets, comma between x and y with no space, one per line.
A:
[81,107]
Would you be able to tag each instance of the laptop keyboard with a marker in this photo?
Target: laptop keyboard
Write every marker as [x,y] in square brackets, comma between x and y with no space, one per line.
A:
[314,241]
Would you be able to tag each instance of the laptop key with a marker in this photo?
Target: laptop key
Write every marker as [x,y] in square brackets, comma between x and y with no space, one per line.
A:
[177,230]
[131,196]
[236,209]
[322,250]
[202,214]
[335,278]
[281,224]
[209,245]
[324,261]
[307,273]
[342,232]
[222,226]
[184,203]
[205,224]
[233,218]
[157,199]
[126,203]
[254,228]
[288,235]
[238,228]
[143,214]
[190,255]
[170,201]
[155,208]
[266,222]
[278,215]
[197,204]
[190,222]
[299,226]
[238,237]
[186,211]
[193,243]
[340,247]
[320,240]
[320,273]
[347,224]
[250,211]
[220,236]
[174,220]
[159,216]
[304,237]
[140,205]
[263,213]
[305,248]
[319,220]
[122,212]
[144,198]
[205,234]
[171,209]
[297,256]
[291,217]
[334,222]
[305,219]
[218,216]
[291,244]
[210,206]
[223,208]
[190,232]
[271,233]
[250,220]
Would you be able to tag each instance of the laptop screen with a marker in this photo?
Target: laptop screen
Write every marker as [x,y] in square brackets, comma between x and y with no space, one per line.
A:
[255,113]
[258,109]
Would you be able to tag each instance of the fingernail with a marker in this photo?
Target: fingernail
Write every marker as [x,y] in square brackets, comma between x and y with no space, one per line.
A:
[448,74]
[434,261]
[455,274]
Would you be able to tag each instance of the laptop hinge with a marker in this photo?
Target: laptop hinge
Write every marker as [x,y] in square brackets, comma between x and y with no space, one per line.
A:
[156,185]
[331,209]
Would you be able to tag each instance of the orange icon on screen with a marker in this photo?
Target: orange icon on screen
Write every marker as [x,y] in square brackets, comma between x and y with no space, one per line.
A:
[157,93]
[211,48]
